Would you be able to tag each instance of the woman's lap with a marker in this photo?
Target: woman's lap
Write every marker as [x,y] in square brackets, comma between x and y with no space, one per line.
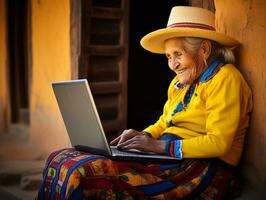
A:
[70,174]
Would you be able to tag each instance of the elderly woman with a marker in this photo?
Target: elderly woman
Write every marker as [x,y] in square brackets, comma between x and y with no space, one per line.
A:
[203,123]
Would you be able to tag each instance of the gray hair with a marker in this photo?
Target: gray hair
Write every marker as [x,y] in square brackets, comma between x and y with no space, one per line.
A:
[218,51]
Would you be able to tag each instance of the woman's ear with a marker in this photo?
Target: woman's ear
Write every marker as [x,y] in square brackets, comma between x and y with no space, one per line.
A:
[206,48]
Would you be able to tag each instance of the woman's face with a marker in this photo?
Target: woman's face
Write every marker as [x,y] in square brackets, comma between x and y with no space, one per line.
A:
[186,64]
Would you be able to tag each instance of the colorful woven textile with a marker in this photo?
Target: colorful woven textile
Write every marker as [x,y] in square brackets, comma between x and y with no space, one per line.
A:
[71,174]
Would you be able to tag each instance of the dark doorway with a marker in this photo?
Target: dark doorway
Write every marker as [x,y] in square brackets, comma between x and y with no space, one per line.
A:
[148,74]
[18,54]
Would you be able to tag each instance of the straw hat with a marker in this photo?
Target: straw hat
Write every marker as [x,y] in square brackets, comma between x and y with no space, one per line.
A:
[186,22]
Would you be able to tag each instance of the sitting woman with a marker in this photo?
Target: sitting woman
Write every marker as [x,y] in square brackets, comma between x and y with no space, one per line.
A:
[203,123]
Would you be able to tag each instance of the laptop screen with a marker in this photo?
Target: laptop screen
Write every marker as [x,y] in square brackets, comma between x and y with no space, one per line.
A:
[79,113]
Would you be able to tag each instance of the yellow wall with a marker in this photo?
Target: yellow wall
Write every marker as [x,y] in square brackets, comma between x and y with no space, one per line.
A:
[50,62]
[246,21]
[3,67]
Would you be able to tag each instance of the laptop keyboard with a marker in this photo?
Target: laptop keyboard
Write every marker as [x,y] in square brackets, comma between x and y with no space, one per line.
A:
[136,155]
[119,152]
[115,150]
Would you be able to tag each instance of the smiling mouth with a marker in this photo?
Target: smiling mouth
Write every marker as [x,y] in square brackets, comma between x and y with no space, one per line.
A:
[180,71]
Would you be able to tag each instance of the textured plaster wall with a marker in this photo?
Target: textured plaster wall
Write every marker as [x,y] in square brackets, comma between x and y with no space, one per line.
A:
[3,68]
[50,62]
[245,20]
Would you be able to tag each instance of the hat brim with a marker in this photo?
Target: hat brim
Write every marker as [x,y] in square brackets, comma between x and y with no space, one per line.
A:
[154,41]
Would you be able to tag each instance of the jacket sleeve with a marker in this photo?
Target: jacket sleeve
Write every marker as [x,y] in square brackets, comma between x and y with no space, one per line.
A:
[156,129]
[223,105]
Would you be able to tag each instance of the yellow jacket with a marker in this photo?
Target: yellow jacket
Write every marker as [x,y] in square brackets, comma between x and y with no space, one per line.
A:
[214,122]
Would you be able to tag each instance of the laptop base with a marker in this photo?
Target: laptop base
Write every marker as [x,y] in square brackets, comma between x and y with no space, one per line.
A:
[138,158]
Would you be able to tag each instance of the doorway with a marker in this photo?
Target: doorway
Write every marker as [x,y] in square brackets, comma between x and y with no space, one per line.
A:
[18,16]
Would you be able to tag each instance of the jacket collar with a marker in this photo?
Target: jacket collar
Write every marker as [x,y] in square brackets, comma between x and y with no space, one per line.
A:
[207,75]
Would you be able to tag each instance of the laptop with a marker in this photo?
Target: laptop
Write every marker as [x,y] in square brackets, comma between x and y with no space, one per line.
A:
[84,127]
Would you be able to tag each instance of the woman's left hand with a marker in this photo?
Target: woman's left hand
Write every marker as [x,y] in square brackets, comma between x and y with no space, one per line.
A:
[144,143]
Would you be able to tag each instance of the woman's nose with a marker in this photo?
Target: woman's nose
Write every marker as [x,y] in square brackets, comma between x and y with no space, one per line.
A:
[175,65]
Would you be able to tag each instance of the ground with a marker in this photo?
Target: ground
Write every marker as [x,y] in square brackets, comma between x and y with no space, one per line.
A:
[20,165]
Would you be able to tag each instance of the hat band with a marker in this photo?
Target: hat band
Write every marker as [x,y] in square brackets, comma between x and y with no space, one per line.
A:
[191,25]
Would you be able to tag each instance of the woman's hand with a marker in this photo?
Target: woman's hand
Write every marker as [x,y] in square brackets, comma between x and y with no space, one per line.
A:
[126,135]
[145,143]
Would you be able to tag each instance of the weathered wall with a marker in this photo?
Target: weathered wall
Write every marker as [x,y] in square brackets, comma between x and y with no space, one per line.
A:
[50,62]
[3,68]
[246,21]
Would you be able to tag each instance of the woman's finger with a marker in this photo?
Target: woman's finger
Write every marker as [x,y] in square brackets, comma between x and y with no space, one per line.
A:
[138,138]
[127,135]
[115,141]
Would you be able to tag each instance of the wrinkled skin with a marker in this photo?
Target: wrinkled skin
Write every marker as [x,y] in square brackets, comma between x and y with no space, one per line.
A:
[188,65]
[132,139]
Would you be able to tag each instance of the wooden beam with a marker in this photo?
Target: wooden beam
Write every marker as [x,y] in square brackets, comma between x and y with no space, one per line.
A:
[106,87]
[75,36]
[107,13]
[112,125]
[124,39]
[105,50]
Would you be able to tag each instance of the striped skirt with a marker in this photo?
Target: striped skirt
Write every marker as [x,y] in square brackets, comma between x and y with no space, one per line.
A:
[72,174]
